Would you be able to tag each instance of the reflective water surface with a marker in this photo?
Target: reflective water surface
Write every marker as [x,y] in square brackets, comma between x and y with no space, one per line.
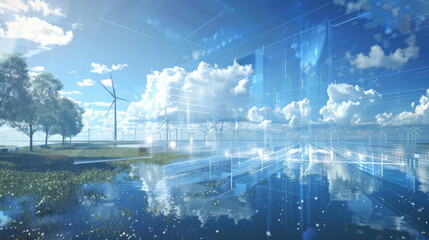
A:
[246,191]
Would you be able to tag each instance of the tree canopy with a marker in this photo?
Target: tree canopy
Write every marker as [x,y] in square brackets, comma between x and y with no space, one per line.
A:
[69,120]
[14,81]
[30,105]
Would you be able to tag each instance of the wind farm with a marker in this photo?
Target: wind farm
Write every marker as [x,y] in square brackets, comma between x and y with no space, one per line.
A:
[227,119]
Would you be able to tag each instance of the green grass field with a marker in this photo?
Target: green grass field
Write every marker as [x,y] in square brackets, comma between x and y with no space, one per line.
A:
[51,175]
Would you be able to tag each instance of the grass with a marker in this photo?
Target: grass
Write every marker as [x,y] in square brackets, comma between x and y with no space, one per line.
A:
[85,151]
[51,175]
[47,182]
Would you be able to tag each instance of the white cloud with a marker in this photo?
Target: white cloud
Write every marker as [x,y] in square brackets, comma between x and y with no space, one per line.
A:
[98,104]
[38,69]
[241,87]
[33,74]
[36,51]
[102,69]
[35,5]
[297,111]
[36,30]
[119,67]
[99,68]
[42,6]
[102,125]
[377,57]
[34,71]
[107,82]
[349,105]
[77,26]
[420,115]
[86,82]
[72,72]
[70,92]
[258,115]
[185,92]
[13,6]
[294,113]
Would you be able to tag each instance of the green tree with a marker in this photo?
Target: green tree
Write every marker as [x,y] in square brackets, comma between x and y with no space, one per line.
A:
[26,118]
[37,106]
[70,121]
[48,88]
[14,82]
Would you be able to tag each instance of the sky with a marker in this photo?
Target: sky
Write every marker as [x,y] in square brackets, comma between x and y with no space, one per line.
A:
[344,64]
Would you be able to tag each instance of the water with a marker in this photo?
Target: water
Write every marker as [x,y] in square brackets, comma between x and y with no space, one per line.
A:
[288,191]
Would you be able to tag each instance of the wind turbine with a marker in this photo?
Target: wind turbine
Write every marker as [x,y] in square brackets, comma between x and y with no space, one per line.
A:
[191,133]
[205,132]
[89,132]
[113,103]
[166,122]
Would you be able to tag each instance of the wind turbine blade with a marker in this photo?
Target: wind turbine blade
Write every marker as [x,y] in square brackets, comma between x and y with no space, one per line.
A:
[110,107]
[113,85]
[106,89]
[122,99]
[161,125]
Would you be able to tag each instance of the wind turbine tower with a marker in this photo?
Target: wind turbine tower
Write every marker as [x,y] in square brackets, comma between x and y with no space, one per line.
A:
[166,122]
[113,103]
[89,133]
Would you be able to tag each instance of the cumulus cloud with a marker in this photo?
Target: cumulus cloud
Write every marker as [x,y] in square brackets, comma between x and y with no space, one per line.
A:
[119,67]
[294,113]
[13,6]
[36,30]
[38,69]
[349,105]
[99,68]
[86,82]
[258,115]
[241,87]
[377,57]
[42,6]
[35,5]
[297,111]
[102,69]
[107,82]
[420,114]
[196,93]
[34,71]
[102,124]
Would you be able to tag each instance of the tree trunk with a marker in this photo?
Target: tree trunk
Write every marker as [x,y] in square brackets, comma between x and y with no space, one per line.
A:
[31,138]
[46,139]
[62,142]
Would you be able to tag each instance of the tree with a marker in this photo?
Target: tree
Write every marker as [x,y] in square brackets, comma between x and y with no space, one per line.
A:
[37,107]
[26,118]
[70,121]
[14,82]
[48,87]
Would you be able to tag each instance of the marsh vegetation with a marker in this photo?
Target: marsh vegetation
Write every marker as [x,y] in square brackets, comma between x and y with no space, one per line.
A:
[45,182]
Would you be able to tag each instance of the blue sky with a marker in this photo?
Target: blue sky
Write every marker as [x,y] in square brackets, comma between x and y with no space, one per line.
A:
[379,56]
